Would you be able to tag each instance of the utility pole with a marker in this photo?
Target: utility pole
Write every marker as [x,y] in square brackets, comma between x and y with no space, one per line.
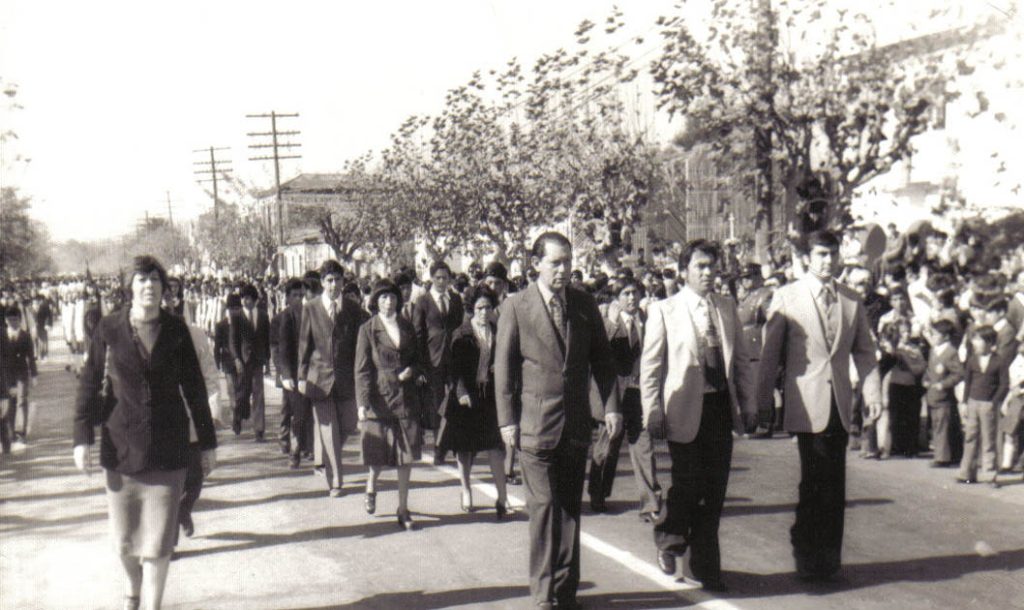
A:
[170,215]
[216,166]
[276,144]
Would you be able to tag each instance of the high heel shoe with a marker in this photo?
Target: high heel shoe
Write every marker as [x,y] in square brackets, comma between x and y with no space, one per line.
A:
[370,502]
[405,520]
[467,503]
[500,510]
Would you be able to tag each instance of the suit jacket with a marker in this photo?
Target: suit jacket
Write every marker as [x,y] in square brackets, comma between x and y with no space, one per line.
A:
[18,357]
[221,350]
[671,369]
[993,381]
[288,341]
[944,369]
[470,366]
[251,344]
[551,375]
[625,357]
[1006,343]
[814,373]
[434,331]
[377,365]
[148,427]
[327,349]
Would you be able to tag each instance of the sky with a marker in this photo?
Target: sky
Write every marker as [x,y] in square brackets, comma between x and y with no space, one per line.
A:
[116,95]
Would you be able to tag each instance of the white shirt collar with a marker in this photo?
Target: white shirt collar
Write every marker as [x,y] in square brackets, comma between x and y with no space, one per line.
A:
[694,300]
[1000,324]
[546,293]
[817,284]
[327,302]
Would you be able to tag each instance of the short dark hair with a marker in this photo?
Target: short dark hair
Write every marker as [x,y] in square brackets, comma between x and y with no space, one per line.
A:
[987,334]
[438,265]
[380,288]
[12,312]
[331,267]
[480,291]
[401,278]
[616,286]
[997,304]
[312,284]
[250,291]
[144,264]
[944,328]
[311,274]
[821,237]
[540,244]
[703,246]
[294,284]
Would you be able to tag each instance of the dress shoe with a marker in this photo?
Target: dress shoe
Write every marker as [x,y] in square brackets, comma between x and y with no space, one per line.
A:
[502,510]
[370,502]
[236,427]
[405,520]
[667,562]
[187,526]
[963,481]
[598,506]
[294,461]
[715,585]
[285,447]
[259,438]
[335,492]
[513,479]
[648,516]
[570,604]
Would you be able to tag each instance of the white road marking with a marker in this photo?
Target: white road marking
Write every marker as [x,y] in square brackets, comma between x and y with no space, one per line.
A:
[624,558]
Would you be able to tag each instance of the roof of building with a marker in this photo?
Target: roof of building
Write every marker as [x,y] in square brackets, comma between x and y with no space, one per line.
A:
[316,183]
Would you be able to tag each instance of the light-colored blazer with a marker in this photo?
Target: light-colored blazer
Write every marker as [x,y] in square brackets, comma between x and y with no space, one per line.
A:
[671,370]
[795,341]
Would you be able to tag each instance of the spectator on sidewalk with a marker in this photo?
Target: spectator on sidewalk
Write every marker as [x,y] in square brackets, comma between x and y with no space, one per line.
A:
[985,386]
[18,360]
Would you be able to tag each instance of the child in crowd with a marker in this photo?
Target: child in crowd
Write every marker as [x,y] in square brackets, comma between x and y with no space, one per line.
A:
[943,373]
[902,387]
[1011,424]
[985,386]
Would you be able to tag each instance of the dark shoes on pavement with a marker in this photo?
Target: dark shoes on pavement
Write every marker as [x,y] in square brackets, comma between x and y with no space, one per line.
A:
[598,505]
[667,562]
[405,520]
[370,502]
[187,526]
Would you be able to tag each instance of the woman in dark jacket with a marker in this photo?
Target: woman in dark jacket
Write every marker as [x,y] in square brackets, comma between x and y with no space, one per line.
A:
[471,415]
[147,356]
[387,375]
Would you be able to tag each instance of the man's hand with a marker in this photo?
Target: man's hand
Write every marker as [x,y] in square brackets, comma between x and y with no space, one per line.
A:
[83,459]
[209,461]
[656,425]
[465,401]
[288,384]
[874,411]
[363,413]
[302,387]
[406,374]
[510,434]
[614,423]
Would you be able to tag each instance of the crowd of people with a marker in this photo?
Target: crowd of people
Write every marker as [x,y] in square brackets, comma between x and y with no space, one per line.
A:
[922,351]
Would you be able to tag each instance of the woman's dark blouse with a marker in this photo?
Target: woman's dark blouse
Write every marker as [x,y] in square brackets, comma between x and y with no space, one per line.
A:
[147,429]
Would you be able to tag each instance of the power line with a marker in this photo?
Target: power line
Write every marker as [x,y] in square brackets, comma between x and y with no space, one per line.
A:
[275,144]
[216,166]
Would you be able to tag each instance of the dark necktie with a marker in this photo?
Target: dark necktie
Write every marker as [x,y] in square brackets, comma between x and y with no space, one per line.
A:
[634,334]
[558,313]
[828,306]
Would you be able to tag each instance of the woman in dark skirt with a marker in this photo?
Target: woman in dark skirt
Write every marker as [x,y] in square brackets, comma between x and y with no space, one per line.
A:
[153,374]
[387,373]
[472,418]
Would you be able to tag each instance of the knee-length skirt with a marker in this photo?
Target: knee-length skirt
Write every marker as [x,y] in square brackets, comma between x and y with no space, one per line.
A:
[392,442]
[143,511]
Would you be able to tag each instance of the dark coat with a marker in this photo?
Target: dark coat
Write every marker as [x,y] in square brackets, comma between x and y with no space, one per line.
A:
[221,351]
[467,370]
[378,363]
[288,341]
[248,344]
[944,369]
[18,357]
[327,350]
[147,427]
[554,375]
[434,331]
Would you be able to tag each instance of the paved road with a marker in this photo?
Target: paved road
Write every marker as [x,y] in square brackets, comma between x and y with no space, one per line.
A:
[269,538]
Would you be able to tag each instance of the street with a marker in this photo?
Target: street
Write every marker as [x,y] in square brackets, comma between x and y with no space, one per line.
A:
[269,538]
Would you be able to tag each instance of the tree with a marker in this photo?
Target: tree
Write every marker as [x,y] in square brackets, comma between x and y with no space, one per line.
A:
[820,122]
[238,239]
[24,242]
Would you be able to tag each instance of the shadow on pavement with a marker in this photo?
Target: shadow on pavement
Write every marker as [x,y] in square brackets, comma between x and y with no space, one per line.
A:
[768,509]
[421,600]
[18,523]
[862,575]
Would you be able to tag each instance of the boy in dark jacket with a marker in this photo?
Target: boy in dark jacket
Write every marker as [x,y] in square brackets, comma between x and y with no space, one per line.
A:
[985,386]
[18,359]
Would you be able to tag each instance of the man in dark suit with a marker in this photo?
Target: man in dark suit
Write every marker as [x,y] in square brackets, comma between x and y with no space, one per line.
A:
[551,339]
[815,327]
[290,321]
[625,327]
[327,346]
[44,322]
[18,359]
[697,388]
[437,314]
[250,349]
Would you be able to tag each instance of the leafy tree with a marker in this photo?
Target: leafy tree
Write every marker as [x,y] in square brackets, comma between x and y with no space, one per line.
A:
[24,242]
[820,122]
